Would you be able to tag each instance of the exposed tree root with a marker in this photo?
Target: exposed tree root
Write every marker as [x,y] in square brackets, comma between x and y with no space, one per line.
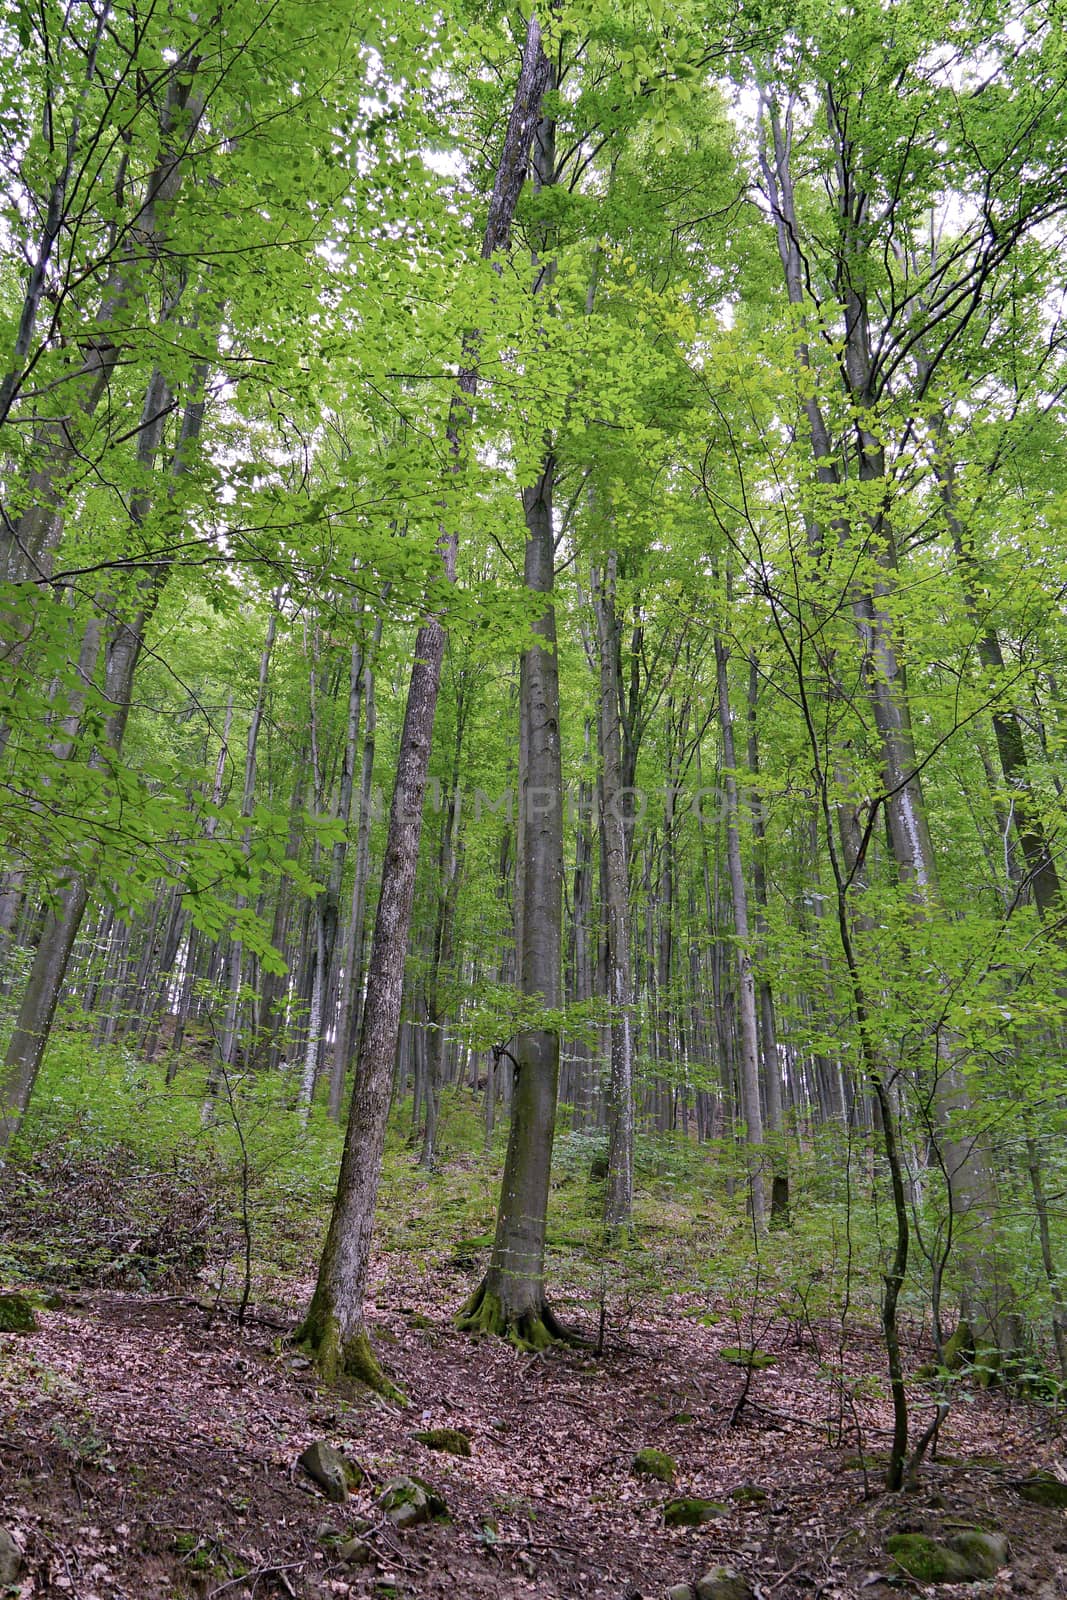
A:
[320,1337]
[539,1329]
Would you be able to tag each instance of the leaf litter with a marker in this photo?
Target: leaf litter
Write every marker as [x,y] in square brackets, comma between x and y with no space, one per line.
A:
[149,1446]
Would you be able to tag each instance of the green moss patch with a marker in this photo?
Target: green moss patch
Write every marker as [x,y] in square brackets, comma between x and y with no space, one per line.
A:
[925,1560]
[451,1440]
[691,1512]
[969,1555]
[1042,1489]
[649,1463]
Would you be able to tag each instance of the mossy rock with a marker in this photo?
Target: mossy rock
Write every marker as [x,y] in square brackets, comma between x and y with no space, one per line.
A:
[649,1463]
[17,1314]
[189,1544]
[723,1583]
[691,1512]
[451,1440]
[749,1494]
[407,1502]
[328,1468]
[355,1553]
[10,1559]
[958,1352]
[984,1552]
[206,1559]
[756,1359]
[466,1252]
[1043,1489]
[925,1560]
[419,1319]
[969,1555]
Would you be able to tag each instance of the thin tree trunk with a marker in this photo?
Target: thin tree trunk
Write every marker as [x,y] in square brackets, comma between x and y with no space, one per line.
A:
[348,1005]
[228,1042]
[772,1076]
[37,1011]
[619,1190]
[746,983]
[967,1169]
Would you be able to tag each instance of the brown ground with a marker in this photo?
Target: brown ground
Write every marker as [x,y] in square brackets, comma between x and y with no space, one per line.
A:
[148,1452]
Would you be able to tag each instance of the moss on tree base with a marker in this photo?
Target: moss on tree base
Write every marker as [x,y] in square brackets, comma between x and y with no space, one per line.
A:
[485,1312]
[320,1337]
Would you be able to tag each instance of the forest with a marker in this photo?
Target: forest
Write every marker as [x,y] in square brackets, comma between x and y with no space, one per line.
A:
[533,958]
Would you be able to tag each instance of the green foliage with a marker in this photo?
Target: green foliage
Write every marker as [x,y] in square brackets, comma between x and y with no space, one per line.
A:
[117,1180]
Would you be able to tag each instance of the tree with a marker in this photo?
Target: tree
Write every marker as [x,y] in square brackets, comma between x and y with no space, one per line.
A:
[334,1327]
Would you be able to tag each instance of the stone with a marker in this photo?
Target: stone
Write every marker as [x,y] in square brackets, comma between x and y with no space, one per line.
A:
[17,1314]
[407,1502]
[355,1553]
[984,1552]
[649,1463]
[966,1557]
[451,1440]
[749,1494]
[692,1512]
[10,1559]
[328,1468]
[1043,1489]
[923,1559]
[723,1583]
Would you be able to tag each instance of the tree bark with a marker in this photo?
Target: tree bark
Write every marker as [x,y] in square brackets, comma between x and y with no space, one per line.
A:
[511,1298]
[619,1191]
[334,1327]
[746,982]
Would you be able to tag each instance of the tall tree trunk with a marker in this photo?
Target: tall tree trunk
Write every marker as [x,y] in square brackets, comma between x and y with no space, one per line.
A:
[511,1298]
[348,1003]
[746,982]
[582,1086]
[967,1168]
[772,1076]
[334,1326]
[619,1190]
[449,873]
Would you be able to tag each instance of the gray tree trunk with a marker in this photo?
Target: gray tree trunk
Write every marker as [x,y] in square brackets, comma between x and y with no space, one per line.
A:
[511,1298]
[746,982]
[350,988]
[334,1327]
[619,1191]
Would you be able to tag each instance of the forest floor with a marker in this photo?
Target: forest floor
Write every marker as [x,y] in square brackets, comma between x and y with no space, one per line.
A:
[148,1450]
